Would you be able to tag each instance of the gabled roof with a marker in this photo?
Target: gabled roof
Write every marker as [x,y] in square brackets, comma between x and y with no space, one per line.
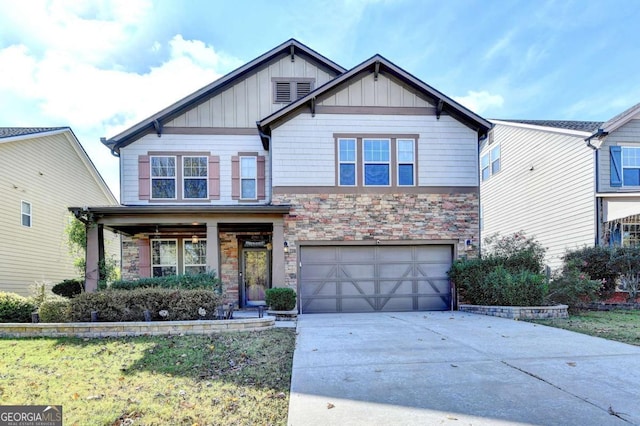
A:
[379,64]
[621,119]
[290,46]
[14,134]
[9,132]
[581,126]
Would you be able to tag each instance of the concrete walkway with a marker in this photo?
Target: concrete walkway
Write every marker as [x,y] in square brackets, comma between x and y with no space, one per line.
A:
[454,368]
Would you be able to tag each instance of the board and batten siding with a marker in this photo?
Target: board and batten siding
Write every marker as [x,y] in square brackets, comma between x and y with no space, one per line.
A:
[304,147]
[627,135]
[545,188]
[251,98]
[222,146]
[366,91]
[47,172]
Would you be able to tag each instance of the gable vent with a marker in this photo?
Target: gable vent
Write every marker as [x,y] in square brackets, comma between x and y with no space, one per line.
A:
[283,91]
[289,90]
[302,89]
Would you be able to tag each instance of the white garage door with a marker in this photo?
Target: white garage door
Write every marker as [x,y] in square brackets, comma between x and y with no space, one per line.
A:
[374,278]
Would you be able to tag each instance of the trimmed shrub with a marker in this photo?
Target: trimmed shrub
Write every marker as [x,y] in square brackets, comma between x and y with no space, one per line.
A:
[129,305]
[625,261]
[68,288]
[280,299]
[594,261]
[188,281]
[15,308]
[572,287]
[54,310]
[516,252]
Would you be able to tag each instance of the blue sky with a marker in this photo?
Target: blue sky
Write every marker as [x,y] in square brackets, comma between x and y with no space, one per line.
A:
[102,66]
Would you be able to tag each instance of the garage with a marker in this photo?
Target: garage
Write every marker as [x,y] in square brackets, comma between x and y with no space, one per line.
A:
[350,278]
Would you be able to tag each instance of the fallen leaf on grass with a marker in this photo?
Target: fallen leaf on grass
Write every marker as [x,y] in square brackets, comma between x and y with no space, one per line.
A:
[571,364]
[330,406]
[94,397]
[75,396]
[280,395]
[187,404]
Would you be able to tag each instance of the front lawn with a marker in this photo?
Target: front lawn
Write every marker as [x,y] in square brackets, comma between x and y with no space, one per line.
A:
[622,326]
[230,378]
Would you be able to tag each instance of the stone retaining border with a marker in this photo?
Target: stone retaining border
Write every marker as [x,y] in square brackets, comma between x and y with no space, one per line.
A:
[120,329]
[518,312]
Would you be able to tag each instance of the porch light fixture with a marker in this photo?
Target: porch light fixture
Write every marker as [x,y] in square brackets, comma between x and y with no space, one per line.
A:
[286,247]
[194,239]
[269,246]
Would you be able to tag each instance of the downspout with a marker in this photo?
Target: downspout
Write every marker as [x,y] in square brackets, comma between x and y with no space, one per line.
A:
[268,138]
[600,134]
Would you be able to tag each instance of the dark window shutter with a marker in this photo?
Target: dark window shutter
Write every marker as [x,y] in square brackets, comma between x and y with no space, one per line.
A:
[235,177]
[283,91]
[143,177]
[302,89]
[214,177]
[261,177]
[615,157]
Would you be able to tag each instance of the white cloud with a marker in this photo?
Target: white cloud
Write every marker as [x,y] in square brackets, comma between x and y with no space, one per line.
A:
[479,102]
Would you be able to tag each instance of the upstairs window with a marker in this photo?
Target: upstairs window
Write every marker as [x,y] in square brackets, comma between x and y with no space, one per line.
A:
[195,177]
[377,154]
[347,162]
[289,90]
[490,163]
[248,178]
[25,213]
[630,166]
[163,177]
[406,162]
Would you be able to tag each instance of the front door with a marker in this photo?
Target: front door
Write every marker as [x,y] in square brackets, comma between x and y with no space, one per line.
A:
[255,276]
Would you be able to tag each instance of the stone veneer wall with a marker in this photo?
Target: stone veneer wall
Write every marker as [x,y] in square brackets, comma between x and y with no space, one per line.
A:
[229,264]
[130,259]
[385,217]
[518,312]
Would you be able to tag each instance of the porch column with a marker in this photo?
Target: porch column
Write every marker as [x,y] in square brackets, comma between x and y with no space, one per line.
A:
[92,259]
[213,248]
[277,255]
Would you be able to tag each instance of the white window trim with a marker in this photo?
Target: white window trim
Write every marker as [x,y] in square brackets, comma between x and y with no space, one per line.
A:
[364,162]
[185,178]
[175,177]
[175,240]
[399,163]
[354,162]
[490,160]
[186,241]
[29,215]
[493,160]
[254,178]
[623,167]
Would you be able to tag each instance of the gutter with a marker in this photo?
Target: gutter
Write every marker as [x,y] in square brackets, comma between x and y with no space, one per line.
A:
[264,136]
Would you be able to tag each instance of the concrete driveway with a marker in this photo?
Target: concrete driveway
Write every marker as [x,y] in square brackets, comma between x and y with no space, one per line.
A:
[454,368]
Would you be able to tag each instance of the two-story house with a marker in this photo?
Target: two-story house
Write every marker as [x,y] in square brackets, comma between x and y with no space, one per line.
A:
[43,171]
[357,188]
[571,184]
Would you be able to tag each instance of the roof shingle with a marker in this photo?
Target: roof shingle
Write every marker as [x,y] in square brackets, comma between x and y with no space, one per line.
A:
[584,126]
[8,132]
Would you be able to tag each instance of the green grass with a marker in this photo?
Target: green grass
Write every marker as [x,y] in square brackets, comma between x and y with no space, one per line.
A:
[230,378]
[619,325]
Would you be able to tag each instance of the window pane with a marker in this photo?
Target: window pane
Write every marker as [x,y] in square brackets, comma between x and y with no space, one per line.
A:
[248,167]
[495,153]
[347,150]
[376,150]
[26,208]
[405,151]
[163,166]
[164,253]
[200,269]
[630,157]
[631,177]
[495,166]
[195,188]
[376,174]
[163,271]
[163,188]
[195,253]
[484,161]
[485,173]
[195,166]
[248,189]
[405,174]
[26,220]
[347,174]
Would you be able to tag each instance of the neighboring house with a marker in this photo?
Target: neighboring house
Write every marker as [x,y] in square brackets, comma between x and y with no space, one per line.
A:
[357,188]
[537,176]
[617,148]
[43,171]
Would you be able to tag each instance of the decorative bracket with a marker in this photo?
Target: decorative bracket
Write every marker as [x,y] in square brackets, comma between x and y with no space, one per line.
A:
[439,108]
[313,107]
[376,70]
[292,50]
[158,127]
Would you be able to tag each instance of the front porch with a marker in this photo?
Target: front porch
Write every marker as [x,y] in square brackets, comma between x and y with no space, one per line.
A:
[243,245]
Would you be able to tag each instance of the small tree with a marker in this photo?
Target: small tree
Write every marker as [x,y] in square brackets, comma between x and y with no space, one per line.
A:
[625,261]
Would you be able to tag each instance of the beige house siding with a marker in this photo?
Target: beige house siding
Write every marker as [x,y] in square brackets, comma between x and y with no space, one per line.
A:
[627,135]
[545,187]
[251,98]
[447,150]
[366,91]
[223,146]
[52,173]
